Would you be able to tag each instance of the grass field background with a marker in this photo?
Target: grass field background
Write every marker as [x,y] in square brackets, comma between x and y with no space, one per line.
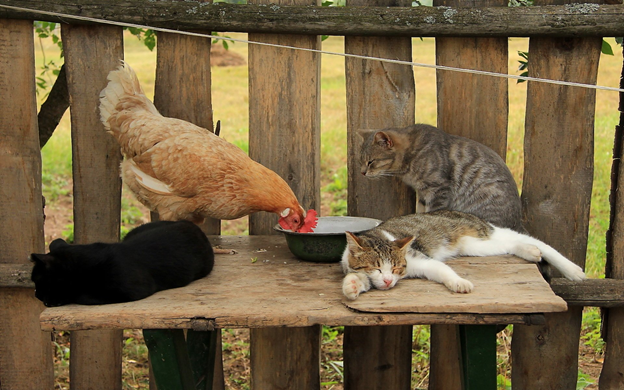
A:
[230,105]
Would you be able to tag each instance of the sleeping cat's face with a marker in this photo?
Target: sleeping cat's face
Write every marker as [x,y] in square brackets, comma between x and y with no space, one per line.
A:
[382,154]
[383,262]
[52,284]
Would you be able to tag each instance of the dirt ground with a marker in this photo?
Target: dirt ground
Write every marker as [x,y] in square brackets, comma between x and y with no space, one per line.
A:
[219,56]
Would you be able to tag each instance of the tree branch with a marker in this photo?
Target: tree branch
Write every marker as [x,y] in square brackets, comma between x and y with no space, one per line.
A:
[53,108]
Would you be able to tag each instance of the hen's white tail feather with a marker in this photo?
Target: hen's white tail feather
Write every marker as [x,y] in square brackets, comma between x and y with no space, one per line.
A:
[122,83]
[148,182]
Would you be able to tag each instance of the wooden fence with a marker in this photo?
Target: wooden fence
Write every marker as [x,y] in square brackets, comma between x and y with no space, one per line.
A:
[284,134]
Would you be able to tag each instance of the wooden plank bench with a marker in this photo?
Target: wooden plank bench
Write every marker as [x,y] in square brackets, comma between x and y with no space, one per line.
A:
[264,285]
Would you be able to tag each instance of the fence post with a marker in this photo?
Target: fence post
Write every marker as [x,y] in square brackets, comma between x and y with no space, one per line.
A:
[612,375]
[284,135]
[25,351]
[556,195]
[183,90]
[379,95]
[91,52]
[476,107]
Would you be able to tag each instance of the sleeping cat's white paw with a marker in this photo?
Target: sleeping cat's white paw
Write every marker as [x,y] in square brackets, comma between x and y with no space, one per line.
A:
[573,272]
[460,285]
[352,286]
[528,252]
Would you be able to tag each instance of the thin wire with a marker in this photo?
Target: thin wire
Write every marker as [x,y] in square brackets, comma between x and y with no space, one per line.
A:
[347,55]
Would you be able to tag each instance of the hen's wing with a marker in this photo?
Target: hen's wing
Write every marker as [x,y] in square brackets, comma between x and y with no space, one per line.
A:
[199,172]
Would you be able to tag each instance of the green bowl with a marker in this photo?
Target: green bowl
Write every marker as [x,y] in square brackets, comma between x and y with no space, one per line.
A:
[328,241]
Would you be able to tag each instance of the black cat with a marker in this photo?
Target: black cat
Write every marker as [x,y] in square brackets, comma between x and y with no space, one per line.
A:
[152,257]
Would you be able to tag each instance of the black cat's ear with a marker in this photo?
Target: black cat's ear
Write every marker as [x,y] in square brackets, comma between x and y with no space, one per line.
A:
[404,243]
[45,259]
[384,140]
[353,241]
[58,243]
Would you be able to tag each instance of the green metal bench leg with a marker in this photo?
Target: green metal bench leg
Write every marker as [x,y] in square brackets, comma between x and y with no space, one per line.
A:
[202,349]
[478,348]
[179,363]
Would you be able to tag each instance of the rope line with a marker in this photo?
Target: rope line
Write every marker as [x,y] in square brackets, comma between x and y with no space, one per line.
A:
[346,55]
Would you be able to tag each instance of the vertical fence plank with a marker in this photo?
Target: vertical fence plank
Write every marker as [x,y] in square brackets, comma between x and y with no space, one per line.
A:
[473,106]
[612,375]
[91,52]
[25,351]
[556,193]
[183,90]
[476,107]
[379,95]
[284,135]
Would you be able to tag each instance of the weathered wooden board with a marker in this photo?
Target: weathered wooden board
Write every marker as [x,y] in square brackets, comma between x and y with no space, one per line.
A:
[91,52]
[25,352]
[476,107]
[407,21]
[285,136]
[379,95]
[263,285]
[16,275]
[183,90]
[556,193]
[612,375]
[606,293]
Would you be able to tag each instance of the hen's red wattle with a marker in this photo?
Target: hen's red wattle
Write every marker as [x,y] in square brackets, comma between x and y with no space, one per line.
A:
[309,223]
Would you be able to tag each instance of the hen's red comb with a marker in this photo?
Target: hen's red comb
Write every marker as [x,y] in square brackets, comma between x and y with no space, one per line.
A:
[309,223]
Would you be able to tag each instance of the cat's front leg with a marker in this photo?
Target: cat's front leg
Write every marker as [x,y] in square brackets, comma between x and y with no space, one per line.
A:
[420,266]
[354,284]
[436,197]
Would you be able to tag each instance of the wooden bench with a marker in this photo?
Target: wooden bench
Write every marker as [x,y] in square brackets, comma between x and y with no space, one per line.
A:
[264,285]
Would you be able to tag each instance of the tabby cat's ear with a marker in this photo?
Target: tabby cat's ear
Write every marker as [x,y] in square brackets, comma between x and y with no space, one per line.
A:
[364,133]
[384,140]
[404,243]
[353,241]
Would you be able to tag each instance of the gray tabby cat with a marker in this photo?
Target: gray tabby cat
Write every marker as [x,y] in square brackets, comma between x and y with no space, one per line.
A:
[416,245]
[447,171]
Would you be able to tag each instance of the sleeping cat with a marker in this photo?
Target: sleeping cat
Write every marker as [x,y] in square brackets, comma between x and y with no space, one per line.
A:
[152,257]
[416,246]
[448,172]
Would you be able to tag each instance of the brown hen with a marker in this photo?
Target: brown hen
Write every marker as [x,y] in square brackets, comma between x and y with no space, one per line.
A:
[183,171]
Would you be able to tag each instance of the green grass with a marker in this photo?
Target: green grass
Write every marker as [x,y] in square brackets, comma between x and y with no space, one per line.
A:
[230,105]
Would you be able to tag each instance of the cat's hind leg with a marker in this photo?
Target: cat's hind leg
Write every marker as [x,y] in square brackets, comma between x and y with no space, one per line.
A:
[507,241]
[420,266]
[553,257]
[354,284]
[501,242]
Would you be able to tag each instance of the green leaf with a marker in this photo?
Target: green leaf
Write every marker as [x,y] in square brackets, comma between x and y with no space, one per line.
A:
[523,74]
[606,48]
